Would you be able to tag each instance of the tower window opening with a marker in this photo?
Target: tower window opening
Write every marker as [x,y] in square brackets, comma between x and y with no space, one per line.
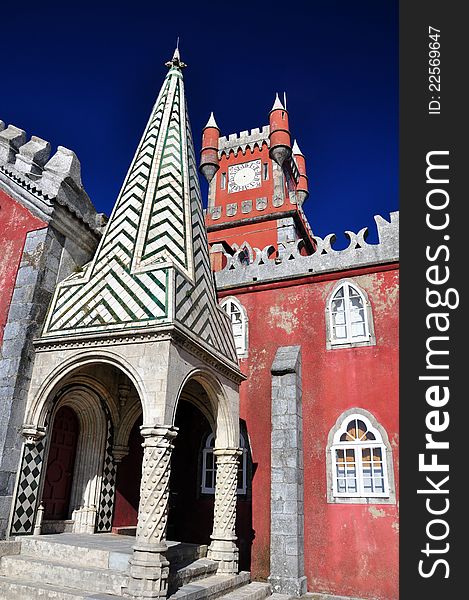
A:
[223,181]
[265,173]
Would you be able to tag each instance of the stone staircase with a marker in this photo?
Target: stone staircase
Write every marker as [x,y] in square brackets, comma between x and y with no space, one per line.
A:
[96,567]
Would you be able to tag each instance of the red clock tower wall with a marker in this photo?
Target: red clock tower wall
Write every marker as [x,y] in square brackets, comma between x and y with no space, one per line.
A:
[257,185]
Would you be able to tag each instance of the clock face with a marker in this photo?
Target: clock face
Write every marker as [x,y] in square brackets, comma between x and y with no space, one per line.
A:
[245,176]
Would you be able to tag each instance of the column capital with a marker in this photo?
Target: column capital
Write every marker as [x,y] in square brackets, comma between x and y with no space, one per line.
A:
[158,435]
[227,453]
[119,452]
[32,433]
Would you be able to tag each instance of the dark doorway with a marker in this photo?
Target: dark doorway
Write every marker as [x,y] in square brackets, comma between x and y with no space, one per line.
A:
[60,465]
[190,516]
[129,473]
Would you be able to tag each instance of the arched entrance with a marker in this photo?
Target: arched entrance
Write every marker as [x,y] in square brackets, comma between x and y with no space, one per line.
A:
[78,441]
[129,474]
[190,517]
[60,464]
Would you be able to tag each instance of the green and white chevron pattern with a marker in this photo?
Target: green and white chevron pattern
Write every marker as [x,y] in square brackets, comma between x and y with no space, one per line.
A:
[156,228]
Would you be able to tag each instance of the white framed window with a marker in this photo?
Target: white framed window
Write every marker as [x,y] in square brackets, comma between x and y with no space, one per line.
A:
[239,323]
[349,317]
[209,466]
[359,461]
[223,181]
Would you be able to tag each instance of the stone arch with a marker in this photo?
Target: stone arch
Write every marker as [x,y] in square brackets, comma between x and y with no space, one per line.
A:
[126,424]
[41,402]
[87,476]
[222,418]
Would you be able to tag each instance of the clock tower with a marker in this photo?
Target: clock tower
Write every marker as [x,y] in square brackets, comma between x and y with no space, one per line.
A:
[257,185]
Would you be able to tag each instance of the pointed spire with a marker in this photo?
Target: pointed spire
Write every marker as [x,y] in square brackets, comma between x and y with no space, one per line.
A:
[176,60]
[296,149]
[211,122]
[277,104]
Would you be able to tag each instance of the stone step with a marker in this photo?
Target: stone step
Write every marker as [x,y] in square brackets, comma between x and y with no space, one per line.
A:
[278,596]
[60,574]
[11,589]
[185,553]
[68,550]
[211,587]
[182,575]
[103,551]
[252,591]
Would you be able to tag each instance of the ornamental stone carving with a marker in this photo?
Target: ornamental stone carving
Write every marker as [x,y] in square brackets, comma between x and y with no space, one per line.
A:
[223,548]
[231,209]
[246,206]
[149,568]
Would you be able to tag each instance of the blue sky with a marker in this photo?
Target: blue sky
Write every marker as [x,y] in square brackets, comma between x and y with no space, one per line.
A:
[85,76]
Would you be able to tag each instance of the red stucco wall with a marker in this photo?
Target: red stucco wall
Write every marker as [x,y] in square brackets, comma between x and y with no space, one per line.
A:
[15,222]
[350,549]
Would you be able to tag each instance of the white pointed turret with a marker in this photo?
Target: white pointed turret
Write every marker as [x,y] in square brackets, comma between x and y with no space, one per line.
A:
[296,149]
[280,144]
[209,163]
[211,122]
[277,103]
[302,192]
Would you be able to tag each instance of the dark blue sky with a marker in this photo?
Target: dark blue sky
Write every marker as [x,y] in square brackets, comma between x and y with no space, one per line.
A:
[85,76]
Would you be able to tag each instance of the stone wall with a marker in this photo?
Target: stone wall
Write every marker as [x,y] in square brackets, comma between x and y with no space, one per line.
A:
[59,232]
[286,510]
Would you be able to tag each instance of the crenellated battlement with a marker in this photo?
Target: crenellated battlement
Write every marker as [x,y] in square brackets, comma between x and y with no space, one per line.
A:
[28,164]
[246,139]
[248,266]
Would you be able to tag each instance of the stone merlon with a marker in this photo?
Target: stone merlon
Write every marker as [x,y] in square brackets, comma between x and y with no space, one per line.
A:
[29,174]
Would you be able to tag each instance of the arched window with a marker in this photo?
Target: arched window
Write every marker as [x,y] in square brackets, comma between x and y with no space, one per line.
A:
[239,323]
[360,463]
[209,467]
[349,318]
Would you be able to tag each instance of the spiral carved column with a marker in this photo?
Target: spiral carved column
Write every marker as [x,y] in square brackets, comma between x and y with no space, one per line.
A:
[148,566]
[223,547]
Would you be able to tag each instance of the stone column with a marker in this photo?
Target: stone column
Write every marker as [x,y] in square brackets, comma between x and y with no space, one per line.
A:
[148,567]
[223,548]
[286,510]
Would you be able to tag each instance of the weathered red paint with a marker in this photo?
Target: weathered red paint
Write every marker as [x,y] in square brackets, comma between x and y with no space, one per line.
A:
[350,550]
[15,223]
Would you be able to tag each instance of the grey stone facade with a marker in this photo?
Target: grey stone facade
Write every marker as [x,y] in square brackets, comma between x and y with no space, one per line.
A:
[51,191]
[286,511]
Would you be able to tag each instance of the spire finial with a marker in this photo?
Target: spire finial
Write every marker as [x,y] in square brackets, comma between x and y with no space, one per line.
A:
[296,149]
[277,104]
[176,60]
[211,122]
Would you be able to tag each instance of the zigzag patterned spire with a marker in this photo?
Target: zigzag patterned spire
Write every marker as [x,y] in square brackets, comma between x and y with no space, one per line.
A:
[156,229]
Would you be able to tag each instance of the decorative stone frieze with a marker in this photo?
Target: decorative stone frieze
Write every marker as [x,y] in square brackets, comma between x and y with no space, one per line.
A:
[291,263]
[255,138]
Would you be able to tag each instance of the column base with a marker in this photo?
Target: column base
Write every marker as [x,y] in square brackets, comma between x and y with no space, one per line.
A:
[295,586]
[149,572]
[226,553]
